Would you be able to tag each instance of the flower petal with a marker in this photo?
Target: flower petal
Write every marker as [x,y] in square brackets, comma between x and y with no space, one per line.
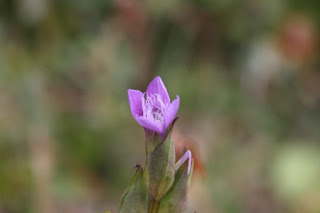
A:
[171,112]
[156,86]
[150,124]
[135,102]
[182,160]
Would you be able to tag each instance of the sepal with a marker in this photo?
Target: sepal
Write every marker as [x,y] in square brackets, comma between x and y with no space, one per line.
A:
[134,199]
[161,166]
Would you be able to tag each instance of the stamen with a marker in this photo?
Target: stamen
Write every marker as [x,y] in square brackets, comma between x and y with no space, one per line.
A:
[153,107]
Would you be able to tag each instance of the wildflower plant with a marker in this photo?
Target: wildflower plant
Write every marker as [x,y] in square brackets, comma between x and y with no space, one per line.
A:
[162,184]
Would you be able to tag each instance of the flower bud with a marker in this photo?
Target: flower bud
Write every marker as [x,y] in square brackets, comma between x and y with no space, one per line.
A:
[176,198]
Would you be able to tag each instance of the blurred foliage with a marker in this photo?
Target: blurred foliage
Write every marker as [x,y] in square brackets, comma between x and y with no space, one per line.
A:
[247,73]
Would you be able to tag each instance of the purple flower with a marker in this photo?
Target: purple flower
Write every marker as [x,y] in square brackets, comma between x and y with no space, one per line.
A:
[153,109]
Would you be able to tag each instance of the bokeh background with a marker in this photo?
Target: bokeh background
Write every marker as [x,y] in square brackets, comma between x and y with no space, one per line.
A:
[247,73]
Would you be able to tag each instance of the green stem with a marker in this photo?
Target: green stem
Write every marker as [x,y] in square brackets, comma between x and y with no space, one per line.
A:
[146,172]
[154,206]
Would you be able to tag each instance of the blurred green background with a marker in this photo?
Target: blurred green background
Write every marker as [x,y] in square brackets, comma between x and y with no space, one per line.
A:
[247,73]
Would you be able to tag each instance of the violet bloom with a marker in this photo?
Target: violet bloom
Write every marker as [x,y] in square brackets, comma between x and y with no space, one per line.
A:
[153,109]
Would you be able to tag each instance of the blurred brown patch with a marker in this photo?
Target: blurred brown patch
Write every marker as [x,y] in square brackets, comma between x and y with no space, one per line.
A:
[298,39]
[133,18]
[182,144]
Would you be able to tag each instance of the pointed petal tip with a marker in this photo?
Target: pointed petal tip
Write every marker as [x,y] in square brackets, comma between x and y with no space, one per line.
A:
[177,99]
[156,86]
[182,160]
[158,78]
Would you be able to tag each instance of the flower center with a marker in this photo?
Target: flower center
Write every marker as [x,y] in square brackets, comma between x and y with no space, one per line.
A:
[153,107]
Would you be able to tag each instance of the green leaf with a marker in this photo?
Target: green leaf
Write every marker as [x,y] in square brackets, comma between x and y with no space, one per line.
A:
[134,199]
